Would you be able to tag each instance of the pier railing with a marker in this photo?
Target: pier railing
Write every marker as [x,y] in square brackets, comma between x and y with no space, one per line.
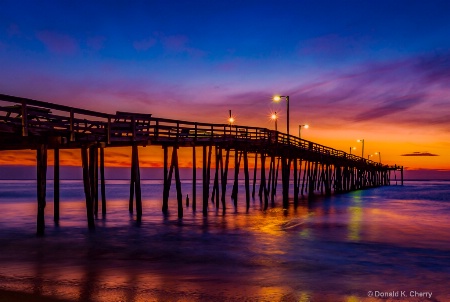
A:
[26,117]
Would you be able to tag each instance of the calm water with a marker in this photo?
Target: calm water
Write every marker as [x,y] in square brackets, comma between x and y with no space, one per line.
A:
[390,241]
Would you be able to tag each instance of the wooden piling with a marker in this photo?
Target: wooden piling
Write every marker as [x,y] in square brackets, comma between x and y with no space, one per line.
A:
[165,205]
[402,175]
[305,176]
[56,186]
[224,178]
[263,181]
[237,161]
[194,180]
[247,181]
[219,159]
[295,183]
[168,183]
[271,180]
[92,174]
[215,191]
[102,179]
[276,176]
[95,178]
[285,171]
[132,181]
[208,168]
[178,184]
[41,158]
[205,183]
[254,175]
[137,182]
[87,188]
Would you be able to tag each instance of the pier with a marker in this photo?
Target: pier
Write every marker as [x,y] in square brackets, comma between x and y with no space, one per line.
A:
[310,167]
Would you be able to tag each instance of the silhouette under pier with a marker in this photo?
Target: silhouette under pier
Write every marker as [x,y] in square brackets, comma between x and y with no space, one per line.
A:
[36,125]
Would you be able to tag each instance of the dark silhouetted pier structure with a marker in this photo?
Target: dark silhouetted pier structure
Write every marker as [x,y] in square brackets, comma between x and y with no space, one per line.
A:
[36,125]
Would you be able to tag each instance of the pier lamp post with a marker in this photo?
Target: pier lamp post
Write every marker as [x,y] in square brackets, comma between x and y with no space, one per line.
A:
[230,120]
[306,126]
[379,155]
[278,98]
[361,141]
[369,156]
[352,148]
[274,117]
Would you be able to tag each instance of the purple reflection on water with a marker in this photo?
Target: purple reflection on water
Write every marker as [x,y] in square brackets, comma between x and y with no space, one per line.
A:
[333,249]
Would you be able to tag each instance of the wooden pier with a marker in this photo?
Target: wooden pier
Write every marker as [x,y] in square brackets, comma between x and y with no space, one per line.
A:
[315,169]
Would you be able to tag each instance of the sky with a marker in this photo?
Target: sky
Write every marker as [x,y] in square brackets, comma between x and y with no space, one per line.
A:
[372,70]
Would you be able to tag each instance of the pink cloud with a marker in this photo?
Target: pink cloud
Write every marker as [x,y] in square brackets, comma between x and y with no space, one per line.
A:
[143,45]
[58,43]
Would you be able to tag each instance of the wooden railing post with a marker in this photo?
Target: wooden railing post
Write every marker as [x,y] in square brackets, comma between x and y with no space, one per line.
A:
[156,129]
[108,134]
[133,127]
[71,126]
[195,134]
[24,119]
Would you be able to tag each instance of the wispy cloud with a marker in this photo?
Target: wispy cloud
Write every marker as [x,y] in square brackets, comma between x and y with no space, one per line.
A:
[145,44]
[180,44]
[96,43]
[58,43]
[435,68]
[389,107]
[331,46]
[419,154]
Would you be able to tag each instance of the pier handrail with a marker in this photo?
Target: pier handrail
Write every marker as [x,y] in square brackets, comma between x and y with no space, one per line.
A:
[108,127]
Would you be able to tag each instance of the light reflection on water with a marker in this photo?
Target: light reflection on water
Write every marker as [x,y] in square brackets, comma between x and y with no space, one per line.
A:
[333,249]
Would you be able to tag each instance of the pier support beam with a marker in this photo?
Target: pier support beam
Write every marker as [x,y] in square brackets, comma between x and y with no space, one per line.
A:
[93,170]
[102,179]
[402,174]
[215,191]
[224,177]
[41,157]
[295,183]
[263,182]
[254,175]
[165,204]
[285,172]
[247,181]
[194,180]
[168,181]
[205,182]
[87,188]
[237,162]
[135,183]
[56,186]
[178,183]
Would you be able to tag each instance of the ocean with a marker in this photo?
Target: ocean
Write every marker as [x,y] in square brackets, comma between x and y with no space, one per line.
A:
[383,244]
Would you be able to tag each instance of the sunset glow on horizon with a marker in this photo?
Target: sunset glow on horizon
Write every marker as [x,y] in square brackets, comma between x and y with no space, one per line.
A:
[378,71]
